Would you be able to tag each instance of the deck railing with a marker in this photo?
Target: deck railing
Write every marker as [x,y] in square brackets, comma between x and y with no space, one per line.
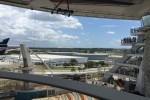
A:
[135,30]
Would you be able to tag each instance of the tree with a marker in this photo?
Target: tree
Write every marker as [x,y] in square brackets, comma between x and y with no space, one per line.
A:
[73,62]
[106,65]
[66,64]
[73,70]
[102,63]
[84,69]
[96,64]
[90,64]
[79,69]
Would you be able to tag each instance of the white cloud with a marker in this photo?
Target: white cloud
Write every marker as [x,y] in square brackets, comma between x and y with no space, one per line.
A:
[54,20]
[108,26]
[69,37]
[43,16]
[83,33]
[111,32]
[20,25]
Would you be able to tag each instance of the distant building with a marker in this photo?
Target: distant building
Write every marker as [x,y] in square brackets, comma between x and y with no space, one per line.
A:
[90,56]
[53,60]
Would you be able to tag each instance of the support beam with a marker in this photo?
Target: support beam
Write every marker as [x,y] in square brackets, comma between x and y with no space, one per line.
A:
[146,65]
[27,63]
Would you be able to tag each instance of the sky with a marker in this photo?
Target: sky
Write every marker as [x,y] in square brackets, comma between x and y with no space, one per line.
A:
[43,29]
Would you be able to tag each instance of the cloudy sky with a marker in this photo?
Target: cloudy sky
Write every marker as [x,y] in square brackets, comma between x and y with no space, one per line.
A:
[41,29]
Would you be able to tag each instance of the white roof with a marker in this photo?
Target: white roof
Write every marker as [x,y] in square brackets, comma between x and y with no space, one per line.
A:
[47,57]
[118,9]
[79,53]
[115,56]
[92,53]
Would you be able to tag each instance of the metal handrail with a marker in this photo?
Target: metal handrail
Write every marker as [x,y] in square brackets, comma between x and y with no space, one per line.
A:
[87,89]
[132,42]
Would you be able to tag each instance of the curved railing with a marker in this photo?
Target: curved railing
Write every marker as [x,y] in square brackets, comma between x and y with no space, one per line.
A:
[137,62]
[87,89]
[134,52]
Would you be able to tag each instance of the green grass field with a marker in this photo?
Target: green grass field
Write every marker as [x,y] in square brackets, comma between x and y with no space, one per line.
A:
[63,68]
[40,67]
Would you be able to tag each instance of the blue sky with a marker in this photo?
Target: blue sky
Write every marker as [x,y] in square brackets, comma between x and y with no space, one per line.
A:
[103,33]
[41,29]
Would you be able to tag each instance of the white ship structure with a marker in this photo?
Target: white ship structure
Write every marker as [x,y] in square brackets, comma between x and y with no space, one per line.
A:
[134,63]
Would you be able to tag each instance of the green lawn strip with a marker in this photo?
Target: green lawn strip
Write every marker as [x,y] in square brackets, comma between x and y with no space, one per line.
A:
[63,68]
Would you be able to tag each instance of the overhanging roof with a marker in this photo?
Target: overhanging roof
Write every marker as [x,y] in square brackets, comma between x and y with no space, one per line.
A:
[118,9]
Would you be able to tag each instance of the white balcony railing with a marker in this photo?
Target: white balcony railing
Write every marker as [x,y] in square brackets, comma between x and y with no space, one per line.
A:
[133,63]
[134,52]
[132,41]
[126,73]
[136,31]
[140,43]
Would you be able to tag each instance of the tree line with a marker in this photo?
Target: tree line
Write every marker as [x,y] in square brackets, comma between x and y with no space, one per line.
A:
[89,64]
[92,64]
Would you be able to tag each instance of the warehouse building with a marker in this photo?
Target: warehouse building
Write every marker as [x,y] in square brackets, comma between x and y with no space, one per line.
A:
[90,56]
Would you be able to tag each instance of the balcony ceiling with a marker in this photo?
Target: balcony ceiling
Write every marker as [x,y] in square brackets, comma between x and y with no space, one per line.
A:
[114,9]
